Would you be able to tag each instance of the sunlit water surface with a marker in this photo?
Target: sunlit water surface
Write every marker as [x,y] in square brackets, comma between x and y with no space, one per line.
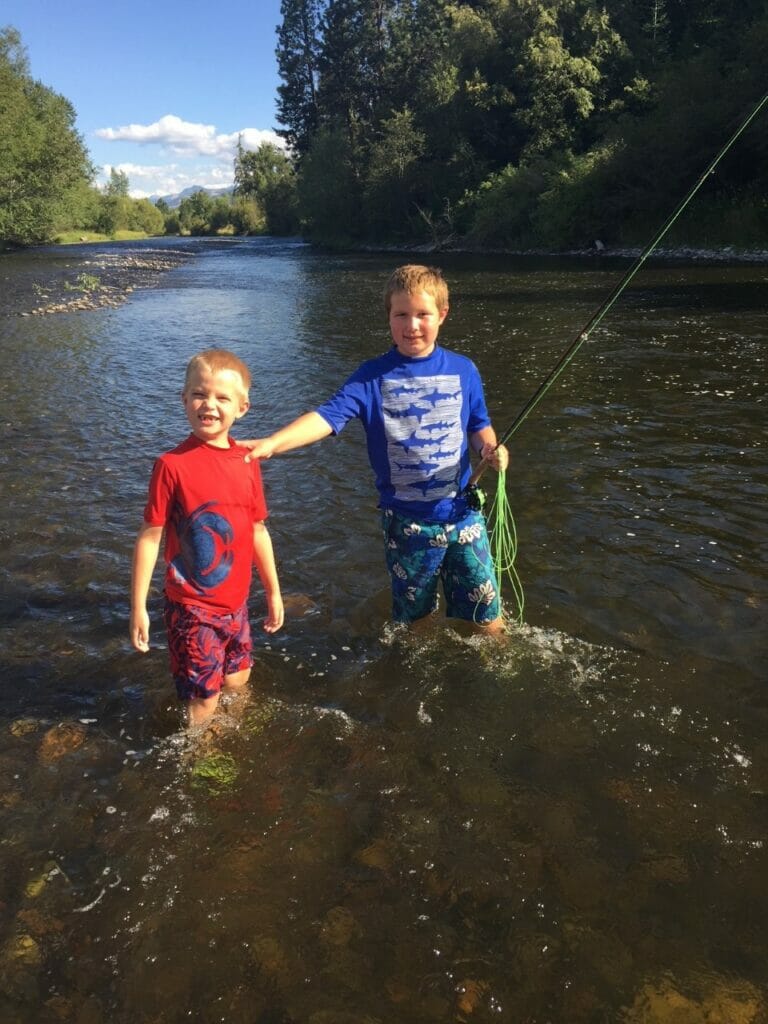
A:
[566,827]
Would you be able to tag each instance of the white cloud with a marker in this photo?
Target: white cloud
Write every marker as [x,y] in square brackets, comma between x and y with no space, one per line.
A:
[189,137]
[201,156]
[145,181]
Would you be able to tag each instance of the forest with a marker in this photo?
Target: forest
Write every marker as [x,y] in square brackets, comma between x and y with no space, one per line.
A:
[516,124]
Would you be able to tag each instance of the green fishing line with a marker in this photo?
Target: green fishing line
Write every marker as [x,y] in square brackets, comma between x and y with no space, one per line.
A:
[503,537]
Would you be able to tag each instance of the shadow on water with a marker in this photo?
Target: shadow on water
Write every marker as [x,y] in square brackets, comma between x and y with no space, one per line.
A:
[564,828]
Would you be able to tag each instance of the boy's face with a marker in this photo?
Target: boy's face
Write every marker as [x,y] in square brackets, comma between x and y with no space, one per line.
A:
[212,402]
[415,321]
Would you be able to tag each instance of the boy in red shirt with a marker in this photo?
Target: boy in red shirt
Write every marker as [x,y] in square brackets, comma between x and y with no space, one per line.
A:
[210,503]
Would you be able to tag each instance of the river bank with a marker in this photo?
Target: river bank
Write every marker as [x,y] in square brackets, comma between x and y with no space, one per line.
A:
[104,274]
[92,277]
[596,249]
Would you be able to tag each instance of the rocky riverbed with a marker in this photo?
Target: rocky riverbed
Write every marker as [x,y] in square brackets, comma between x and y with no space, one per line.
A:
[107,278]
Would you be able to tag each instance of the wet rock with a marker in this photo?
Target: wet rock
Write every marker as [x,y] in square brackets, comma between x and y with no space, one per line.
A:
[533,955]
[721,1002]
[584,881]
[604,953]
[61,740]
[271,958]
[60,1008]
[35,886]
[24,726]
[339,927]
[481,789]
[469,995]
[38,925]
[259,715]
[378,855]
[299,605]
[216,772]
[90,1012]
[22,950]
[666,868]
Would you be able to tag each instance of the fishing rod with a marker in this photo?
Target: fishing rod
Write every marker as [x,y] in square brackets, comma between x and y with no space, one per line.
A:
[472,489]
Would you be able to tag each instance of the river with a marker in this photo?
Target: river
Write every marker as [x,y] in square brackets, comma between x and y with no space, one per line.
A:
[568,827]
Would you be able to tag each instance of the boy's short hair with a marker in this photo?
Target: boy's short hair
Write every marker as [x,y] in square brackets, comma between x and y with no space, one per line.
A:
[413,277]
[215,359]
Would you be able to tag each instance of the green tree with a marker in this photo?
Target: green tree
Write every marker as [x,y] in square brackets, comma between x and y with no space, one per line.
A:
[144,216]
[42,157]
[330,196]
[297,61]
[392,163]
[118,184]
[267,175]
[247,216]
[195,213]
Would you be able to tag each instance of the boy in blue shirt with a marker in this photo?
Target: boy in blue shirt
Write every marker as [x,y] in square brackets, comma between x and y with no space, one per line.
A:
[422,409]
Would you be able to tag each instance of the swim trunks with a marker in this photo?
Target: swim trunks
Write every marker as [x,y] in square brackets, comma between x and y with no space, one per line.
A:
[419,554]
[205,646]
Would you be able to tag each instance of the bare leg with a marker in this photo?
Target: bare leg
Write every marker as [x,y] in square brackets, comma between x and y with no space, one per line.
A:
[200,711]
[236,681]
[423,625]
[493,628]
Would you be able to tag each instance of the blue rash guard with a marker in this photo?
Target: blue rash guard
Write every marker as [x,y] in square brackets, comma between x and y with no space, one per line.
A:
[417,415]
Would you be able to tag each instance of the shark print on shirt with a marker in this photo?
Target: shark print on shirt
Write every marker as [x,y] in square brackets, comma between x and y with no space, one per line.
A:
[422,424]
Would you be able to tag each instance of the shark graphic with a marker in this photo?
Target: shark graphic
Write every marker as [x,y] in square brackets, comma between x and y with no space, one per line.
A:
[434,427]
[421,442]
[403,389]
[416,411]
[431,485]
[439,396]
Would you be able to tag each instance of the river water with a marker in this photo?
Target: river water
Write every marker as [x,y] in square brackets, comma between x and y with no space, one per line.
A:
[565,827]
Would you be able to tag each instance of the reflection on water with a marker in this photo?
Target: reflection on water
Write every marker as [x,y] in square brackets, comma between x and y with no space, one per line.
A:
[569,827]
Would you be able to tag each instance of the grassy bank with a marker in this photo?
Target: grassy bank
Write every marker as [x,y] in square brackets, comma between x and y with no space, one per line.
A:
[73,237]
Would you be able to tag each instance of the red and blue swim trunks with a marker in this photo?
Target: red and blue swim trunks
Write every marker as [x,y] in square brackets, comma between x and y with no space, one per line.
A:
[205,646]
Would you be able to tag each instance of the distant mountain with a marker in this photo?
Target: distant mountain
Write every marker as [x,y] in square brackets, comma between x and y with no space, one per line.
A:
[173,201]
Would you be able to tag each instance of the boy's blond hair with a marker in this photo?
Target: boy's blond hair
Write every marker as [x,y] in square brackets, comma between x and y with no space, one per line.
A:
[413,277]
[215,359]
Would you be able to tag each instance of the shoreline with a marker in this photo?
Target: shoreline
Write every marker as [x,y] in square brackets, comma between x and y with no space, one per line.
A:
[723,254]
[107,279]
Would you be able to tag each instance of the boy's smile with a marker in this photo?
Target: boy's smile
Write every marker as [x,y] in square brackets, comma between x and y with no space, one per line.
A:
[415,322]
[212,402]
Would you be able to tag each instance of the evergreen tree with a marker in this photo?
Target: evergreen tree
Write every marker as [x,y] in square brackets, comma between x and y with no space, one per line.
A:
[297,61]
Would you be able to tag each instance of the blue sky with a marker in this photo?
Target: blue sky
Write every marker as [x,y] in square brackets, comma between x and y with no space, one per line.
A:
[161,89]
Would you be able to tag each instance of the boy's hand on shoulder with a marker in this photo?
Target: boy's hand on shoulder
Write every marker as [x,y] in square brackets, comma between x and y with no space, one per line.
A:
[497,458]
[275,613]
[258,448]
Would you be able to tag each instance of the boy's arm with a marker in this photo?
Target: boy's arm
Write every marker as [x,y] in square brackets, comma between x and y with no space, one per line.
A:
[305,430]
[144,560]
[484,443]
[264,559]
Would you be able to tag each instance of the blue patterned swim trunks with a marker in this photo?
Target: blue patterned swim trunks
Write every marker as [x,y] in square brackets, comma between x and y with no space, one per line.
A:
[419,554]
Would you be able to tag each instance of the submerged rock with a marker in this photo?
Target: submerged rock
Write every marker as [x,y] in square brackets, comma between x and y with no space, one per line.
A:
[721,1002]
[339,927]
[22,949]
[61,740]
